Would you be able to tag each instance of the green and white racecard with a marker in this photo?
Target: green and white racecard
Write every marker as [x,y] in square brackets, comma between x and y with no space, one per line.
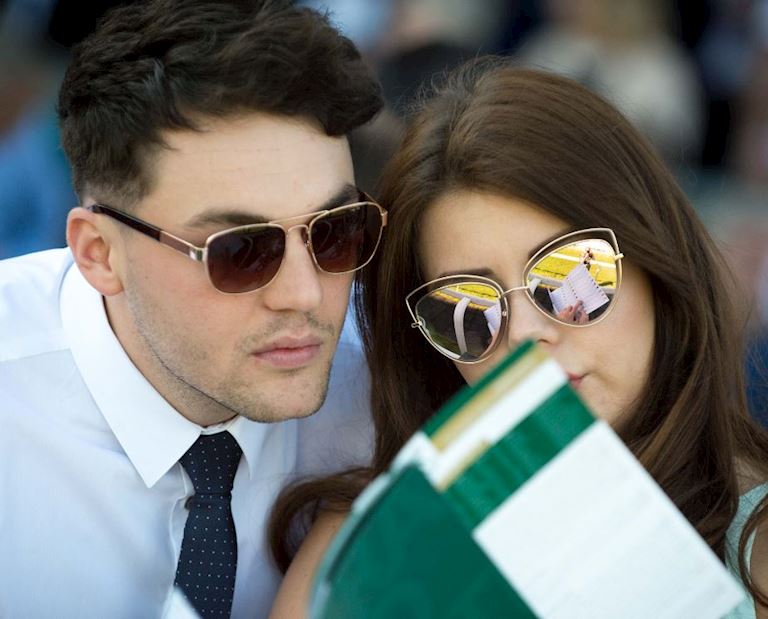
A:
[515,501]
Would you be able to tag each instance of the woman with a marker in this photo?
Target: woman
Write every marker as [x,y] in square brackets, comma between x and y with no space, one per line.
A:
[504,164]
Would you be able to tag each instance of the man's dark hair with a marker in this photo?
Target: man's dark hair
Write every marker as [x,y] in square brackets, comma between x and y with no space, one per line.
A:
[164,64]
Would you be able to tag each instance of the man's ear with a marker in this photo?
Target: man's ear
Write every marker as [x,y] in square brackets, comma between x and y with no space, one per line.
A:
[94,251]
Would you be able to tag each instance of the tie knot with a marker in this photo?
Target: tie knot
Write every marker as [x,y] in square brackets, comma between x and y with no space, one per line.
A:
[211,463]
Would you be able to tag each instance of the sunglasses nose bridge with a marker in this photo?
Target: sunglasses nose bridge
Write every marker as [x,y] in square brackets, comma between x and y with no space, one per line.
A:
[527,320]
[304,233]
[507,292]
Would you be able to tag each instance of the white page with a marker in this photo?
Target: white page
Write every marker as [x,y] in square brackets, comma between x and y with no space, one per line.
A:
[493,318]
[578,285]
[586,288]
[592,536]
[562,297]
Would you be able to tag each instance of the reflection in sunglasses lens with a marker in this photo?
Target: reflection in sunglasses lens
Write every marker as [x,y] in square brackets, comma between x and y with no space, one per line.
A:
[575,283]
[245,261]
[462,320]
[346,239]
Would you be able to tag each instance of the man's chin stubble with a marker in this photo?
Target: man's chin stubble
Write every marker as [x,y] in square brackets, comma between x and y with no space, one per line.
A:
[274,414]
[272,410]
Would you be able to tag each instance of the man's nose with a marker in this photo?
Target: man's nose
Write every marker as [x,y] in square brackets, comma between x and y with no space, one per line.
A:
[297,284]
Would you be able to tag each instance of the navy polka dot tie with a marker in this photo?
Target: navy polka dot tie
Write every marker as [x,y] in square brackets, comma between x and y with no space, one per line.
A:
[208,559]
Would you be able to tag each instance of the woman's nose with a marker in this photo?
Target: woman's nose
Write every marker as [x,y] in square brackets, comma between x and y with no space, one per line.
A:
[527,322]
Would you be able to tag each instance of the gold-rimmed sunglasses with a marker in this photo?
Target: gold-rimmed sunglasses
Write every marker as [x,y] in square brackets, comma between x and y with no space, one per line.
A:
[246,258]
[573,280]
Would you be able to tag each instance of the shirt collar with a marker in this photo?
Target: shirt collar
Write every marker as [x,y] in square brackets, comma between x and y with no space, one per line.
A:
[151,432]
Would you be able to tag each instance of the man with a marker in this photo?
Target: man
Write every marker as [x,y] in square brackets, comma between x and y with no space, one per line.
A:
[141,370]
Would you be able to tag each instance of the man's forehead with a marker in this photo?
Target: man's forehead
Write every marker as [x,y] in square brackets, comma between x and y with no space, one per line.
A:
[256,133]
[260,166]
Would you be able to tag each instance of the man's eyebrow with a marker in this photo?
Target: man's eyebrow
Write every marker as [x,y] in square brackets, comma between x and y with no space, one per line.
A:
[229,218]
[348,194]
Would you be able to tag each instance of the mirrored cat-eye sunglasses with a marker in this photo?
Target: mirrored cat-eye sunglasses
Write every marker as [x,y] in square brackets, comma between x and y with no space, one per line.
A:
[573,280]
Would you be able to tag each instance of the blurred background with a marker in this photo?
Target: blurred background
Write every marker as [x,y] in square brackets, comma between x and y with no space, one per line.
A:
[692,76]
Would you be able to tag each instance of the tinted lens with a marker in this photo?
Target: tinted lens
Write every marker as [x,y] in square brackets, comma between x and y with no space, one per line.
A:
[575,283]
[345,239]
[462,320]
[241,261]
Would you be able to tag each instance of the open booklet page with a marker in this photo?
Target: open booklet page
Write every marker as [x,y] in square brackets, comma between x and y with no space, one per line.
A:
[578,285]
[515,501]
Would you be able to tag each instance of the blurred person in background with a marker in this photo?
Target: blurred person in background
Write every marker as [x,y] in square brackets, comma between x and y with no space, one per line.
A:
[735,52]
[622,50]
[410,43]
[750,156]
[429,37]
[744,236]
[724,54]
[35,188]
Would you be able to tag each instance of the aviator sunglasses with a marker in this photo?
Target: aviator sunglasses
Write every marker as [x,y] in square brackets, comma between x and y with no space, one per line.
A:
[242,259]
[573,280]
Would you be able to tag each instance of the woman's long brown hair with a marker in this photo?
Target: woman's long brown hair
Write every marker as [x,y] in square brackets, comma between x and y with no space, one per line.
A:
[552,143]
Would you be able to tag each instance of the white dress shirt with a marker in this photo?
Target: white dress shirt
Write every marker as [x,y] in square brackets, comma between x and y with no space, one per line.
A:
[91,492]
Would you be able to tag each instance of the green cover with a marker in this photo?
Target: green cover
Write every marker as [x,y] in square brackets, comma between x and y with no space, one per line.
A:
[411,556]
[518,456]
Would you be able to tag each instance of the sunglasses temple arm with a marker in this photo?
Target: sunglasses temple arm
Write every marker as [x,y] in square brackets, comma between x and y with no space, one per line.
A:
[196,253]
[415,324]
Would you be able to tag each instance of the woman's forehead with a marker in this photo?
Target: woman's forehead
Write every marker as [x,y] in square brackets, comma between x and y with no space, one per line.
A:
[469,229]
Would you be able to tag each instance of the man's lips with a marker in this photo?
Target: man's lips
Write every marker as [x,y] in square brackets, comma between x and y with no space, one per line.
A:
[289,352]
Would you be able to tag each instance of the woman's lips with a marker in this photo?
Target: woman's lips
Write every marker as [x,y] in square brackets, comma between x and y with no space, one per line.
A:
[575,379]
[289,353]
